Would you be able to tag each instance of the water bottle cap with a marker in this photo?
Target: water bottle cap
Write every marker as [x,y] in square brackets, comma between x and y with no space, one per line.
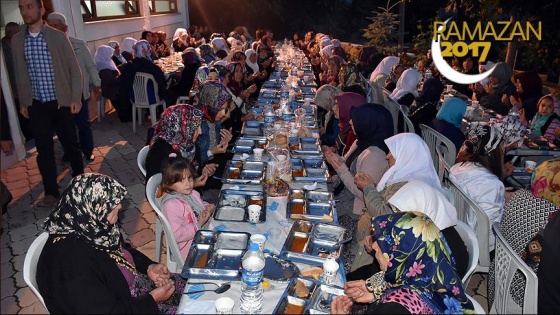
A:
[254,246]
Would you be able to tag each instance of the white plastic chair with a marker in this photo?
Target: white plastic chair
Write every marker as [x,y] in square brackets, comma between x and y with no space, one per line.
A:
[437,141]
[182,100]
[469,238]
[30,264]
[175,260]
[100,108]
[478,309]
[141,100]
[396,112]
[507,263]
[464,204]
[141,159]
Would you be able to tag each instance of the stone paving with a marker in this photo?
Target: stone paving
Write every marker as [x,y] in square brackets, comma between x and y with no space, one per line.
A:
[115,155]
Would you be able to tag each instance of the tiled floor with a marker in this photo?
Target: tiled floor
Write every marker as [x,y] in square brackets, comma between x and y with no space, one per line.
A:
[116,150]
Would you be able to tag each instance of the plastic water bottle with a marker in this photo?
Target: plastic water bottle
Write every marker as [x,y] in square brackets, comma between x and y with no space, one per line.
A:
[284,93]
[251,287]
[427,74]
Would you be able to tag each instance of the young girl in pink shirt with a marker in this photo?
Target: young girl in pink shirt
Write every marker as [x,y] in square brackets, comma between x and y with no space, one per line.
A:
[181,204]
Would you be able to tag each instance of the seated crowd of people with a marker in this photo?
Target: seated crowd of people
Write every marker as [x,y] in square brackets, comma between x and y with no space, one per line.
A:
[405,256]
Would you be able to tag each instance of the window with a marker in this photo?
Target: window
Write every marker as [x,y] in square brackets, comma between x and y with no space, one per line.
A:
[162,6]
[94,10]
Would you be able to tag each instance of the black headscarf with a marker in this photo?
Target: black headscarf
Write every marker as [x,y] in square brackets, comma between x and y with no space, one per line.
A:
[431,91]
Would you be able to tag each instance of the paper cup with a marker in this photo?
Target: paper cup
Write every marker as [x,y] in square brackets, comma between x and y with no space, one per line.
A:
[530,166]
[224,305]
[258,239]
[449,87]
[281,157]
[254,213]
[475,104]
[258,153]
[330,269]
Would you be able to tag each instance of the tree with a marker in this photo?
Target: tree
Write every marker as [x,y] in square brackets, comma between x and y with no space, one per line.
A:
[382,32]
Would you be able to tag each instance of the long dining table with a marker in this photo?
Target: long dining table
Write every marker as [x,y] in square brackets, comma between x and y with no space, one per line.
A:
[276,227]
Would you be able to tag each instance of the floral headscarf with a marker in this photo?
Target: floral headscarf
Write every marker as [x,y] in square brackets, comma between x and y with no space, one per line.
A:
[83,209]
[413,160]
[206,49]
[113,44]
[545,182]
[211,98]
[325,96]
[420,267]
[346,101]
[483,139]
[142,49]
[103,59]
[177,126]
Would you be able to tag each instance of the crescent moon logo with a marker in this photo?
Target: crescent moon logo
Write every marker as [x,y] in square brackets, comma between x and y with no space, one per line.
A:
[451,73]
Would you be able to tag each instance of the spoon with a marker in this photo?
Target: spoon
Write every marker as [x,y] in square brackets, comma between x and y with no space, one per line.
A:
[219,290]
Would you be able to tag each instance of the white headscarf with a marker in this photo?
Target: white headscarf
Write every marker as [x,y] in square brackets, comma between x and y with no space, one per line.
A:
[482,68]
[407,83]
[179,33]
[114,44]
[220,44]
[412,161]
[103,59]
[384,67]
[327,50]
[253,65]
[127,45]
[417,195]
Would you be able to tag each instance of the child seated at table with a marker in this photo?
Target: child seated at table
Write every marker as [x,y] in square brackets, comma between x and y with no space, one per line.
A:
[181,204]
[546,121]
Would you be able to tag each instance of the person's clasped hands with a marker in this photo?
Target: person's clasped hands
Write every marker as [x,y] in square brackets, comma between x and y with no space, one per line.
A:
[161,276]
[334,159]
[362,180]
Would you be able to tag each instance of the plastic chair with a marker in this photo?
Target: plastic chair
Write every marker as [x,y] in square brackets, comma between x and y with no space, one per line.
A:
[141,159]
[478,309]
[182,100]
[396,112]
[507,263]
[30,264]
[141,100]
[100,108]
[435,141]
[469,238]
[464,204]
[175,260]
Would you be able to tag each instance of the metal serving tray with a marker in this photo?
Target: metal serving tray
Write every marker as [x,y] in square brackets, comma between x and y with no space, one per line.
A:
[216,255]
[307,145]
[252,128]
[244,172]
[317,302]
[314,170]
[232,205]
[315,246]
[312,204]
[244,146]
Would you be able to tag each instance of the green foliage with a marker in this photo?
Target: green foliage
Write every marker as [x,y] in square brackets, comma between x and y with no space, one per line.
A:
[382,32]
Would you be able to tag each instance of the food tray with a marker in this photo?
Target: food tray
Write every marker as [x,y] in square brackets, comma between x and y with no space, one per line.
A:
[246,145]
[232,205]
[216,255]
[312,204]
[304,145]
[244,172]
[312,243]
[252,128]
[310,169]
[268,94]
[540,143]
[318,301]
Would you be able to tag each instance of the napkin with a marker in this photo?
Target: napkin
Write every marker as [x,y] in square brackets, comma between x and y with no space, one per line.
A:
[235,187]
[310,187]
[245,156]
[197,307]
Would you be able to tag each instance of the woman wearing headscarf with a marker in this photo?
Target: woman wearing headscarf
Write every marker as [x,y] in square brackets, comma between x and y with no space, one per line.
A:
[342,108]
[219,43]
[86,267]
[127,48]
[325,101]
[528,91]
[417,273]
[141,63]
[406,89]
[180,40]
[265,60]
[383,69]
[526,213]
[372,124]
[424,110]
[331,76]
[207,53]
[109,75]
[394,77]
[191,63]
[449,119]
[409,159]
[490,95]
[215,102]
[240,94]
[117,58]
[479,171]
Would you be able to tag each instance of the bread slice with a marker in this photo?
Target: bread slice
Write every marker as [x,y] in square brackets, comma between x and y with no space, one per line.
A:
[314,272]
[301,290]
